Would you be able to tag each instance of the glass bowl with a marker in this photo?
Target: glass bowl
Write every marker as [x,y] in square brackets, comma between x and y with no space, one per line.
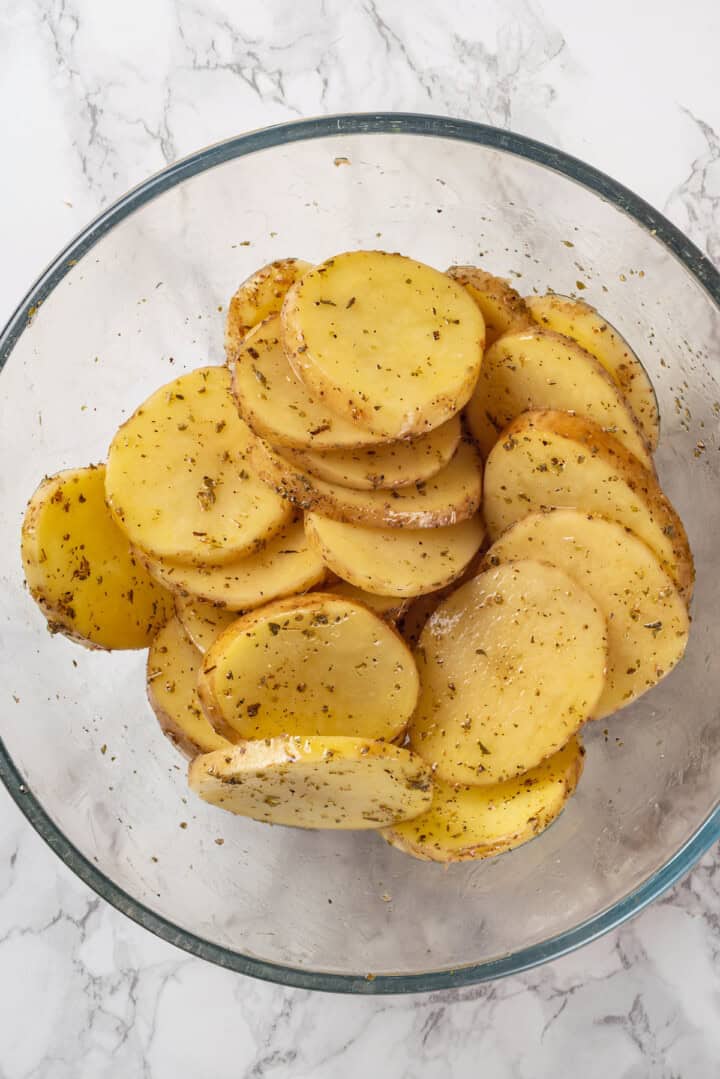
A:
[138,298]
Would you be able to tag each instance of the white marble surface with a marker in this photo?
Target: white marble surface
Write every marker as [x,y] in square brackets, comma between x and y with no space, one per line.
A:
[93,97]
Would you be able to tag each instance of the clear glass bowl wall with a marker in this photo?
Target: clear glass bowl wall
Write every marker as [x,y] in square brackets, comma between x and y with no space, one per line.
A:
[145,303]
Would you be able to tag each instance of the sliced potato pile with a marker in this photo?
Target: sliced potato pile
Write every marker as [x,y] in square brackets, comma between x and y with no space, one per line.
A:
[386,341]
[581,322]
[80,569]
[395,561]
[502,308]
[259,297]
[263,525]
[479,822]
[315,782]
[177,477]
[285,565]
[548,460]
[538,369]
[314,664]
[172,671]
[646,616]
[491,704]
[450,496]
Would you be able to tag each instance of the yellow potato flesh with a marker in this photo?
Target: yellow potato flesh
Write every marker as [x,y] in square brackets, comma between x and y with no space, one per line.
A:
[178,480]
[172,671]
[502,308]
[536,369]
[646,616]
[203,622]
[387,341]
[395,561]
[395,464]
[511,665]
[80,569]
[314,664]
[450,496]
[315,782]
[279,407]
[548,460]
[285,565]
[464,823]
[258,297]
[584,324]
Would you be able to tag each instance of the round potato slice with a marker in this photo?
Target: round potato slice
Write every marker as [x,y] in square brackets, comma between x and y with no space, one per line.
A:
[450,496]
[172,671]
[536,369]
[395,561]
[502,308]
[547,460]
[178,480]
[391,608]
[259,296]
[203,622]
[388,342]
[279,407]
[511,665]
[80,569]
[646,616]
[584,324]
[314,782]
[314,664]
[284,566]
[396,464]
[464,823]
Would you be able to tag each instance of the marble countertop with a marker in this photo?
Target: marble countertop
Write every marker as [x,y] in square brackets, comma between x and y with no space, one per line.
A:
[94,97]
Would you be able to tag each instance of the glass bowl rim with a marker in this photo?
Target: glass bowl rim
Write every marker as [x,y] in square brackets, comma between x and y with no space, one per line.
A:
[277,135]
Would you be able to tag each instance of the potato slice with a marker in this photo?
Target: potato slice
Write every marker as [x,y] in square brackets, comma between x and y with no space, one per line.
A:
[172,670]
[313,664]
[502,308]
[646,616]
[178,481]
[80,569]
[284,566]
[511,665]
[395,561]
[464,823]
[386,341]
[279,407]
[203,622]
[315,782]
[259,296]
[396,464]
[391,608]
[536,369]
[584,324]
[452,495]
[548,460]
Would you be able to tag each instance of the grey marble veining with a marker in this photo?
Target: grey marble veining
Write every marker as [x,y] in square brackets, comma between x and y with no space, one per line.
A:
[93,97]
